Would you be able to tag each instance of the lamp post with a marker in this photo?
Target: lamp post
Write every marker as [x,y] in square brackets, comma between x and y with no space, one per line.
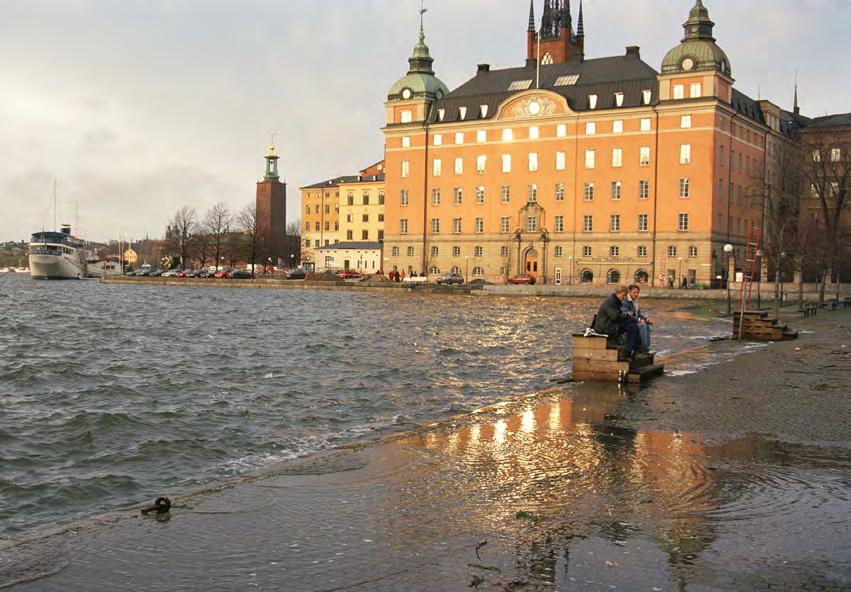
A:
[759,283]
[728,248]
[466,268]
[680,270]
[570,277]
[292,260]
[780,271]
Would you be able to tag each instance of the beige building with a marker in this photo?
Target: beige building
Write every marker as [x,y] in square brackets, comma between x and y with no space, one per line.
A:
[361,256]
[320,217]
[362,209]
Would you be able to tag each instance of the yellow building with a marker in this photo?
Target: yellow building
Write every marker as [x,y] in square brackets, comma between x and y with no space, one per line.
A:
[320,217]
[362,209]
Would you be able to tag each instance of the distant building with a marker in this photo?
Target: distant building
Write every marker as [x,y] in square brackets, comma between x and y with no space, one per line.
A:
[272,213]
[362,209]
[361,256]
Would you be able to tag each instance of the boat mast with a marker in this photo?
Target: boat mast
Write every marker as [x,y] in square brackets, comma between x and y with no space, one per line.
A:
[54,205]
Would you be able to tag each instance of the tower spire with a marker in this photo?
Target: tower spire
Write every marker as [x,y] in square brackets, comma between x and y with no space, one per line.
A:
[795,107]
[531,28]
[580,27]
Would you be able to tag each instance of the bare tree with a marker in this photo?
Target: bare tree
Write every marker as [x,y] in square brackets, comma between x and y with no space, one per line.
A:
[217,222]
[201,246]
[294,242]
[181,230]
[253,240]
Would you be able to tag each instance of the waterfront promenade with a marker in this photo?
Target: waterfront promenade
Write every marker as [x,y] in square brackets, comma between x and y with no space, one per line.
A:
[733,477]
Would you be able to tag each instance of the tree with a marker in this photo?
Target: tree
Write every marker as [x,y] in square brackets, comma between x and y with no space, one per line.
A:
[201,246]
[217,223]
[293,243]
[180,232]
[253,240]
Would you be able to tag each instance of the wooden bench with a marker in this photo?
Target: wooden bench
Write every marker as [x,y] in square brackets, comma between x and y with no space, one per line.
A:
[847,302]
[809,309]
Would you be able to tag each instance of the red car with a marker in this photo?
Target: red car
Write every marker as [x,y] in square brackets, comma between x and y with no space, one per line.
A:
[523,278]
[348,273]
[221,274]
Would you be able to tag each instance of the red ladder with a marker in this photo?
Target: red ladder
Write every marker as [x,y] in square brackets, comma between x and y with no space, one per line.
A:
[748,272]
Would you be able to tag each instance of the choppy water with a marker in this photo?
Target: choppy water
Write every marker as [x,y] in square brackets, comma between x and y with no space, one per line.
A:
[112,395]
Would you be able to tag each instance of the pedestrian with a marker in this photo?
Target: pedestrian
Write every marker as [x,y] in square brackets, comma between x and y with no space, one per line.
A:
[402,275]
[630,304]
[612,321]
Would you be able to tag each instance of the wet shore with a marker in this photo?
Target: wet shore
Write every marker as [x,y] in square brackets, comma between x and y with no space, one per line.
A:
[732,477]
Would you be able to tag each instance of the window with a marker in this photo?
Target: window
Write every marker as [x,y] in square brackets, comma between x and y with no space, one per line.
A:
[561,161]
[327,208]
[646,96]
[365,198]
[381,217]
[435,225]
[480,195]
[406,141]
[559,193]
[617,157]
[835,154]
[506,163]
[435,197]
[406,168]
[558,224]
[641,251]
[462,113]
[685,154]
[503,251]
[533,161]
[685,121]
[403,197]
[365,218]
[482,135]
[505,194]
[438,139]
[395,251]
[592,101]
[478,271]
[458,196]
[590,128]
[364,234]
[644,156]
[532,224]
[410,251]
[589,192]
[816,155]
[349,235]
[617,126]
[684,187]
[403,226]
[683,223]
[459,137]
[559,251]
[504,223]
[456,251]
[619,99]
[459,166]
[642,223]
[692,251]
[437,167]
[533,193]
[672,251]
[406,116]
[586,251]
[643,189]
[561,130]
[696,91]
[507,135]
[381,198]
[456,225]
[590,159]
[679,91]
[435,251]
[614,251]
[615,223]
[480,225]
[617,187]
[534,132]
[645,124]
[478,251]
[434,269]
[481,163]
[317,226]
[587,223]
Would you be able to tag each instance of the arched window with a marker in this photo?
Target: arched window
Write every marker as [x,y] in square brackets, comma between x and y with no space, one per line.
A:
[547,59]
[641,277]
[478,271]
[613,277]
[456,270]
[587,276]
[435,270]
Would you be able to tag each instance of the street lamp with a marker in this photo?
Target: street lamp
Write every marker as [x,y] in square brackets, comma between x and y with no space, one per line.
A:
[680,270]
[570,277]
[759,283]
[728,248]
[780,271]
[292,260]
[466,268]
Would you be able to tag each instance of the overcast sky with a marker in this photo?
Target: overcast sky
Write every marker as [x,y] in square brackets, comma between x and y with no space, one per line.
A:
[138,107]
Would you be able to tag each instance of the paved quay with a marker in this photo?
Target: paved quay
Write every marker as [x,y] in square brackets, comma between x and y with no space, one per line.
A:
[730,473]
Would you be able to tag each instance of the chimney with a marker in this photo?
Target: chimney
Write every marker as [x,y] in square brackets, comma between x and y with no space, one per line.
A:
[633,51]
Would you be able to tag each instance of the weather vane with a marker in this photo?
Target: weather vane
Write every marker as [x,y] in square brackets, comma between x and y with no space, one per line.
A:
[423,10]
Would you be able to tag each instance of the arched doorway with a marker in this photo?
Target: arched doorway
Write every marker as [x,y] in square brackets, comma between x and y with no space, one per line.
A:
[613,277]
[531,263]
[641,277]
[586,276]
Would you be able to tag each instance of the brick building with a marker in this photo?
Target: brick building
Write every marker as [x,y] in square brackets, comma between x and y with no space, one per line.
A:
[271,203]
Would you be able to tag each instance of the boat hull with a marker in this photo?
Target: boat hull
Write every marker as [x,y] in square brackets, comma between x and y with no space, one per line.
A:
[56,267]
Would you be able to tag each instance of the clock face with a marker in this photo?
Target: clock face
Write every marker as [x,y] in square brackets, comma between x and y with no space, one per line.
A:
[534,107]
[406,93]
[688,64]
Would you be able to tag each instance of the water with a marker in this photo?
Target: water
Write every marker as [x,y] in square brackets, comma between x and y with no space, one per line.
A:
[113,395]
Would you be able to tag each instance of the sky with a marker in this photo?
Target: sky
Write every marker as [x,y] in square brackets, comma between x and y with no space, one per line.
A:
[135,108]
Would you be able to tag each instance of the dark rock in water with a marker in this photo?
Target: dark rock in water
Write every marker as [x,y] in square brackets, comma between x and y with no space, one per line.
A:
[161,506]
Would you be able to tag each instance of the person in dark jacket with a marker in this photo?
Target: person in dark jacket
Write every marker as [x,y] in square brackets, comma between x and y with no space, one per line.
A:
[614,322]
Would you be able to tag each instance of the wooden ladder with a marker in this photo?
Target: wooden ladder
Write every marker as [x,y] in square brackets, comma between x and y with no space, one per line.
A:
[748,272]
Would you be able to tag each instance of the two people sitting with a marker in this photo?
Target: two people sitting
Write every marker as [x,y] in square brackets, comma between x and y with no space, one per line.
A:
[619,314]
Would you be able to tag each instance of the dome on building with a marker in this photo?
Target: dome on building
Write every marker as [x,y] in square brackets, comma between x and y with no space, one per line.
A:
[420,80]
[698,50]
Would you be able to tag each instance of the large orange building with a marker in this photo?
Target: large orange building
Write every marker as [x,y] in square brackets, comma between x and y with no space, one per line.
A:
[574,169]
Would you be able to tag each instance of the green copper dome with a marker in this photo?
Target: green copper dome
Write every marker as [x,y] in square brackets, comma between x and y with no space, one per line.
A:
[698,50]
[420,80]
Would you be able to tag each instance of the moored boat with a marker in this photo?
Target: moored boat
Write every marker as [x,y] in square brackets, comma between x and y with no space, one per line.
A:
[57,255]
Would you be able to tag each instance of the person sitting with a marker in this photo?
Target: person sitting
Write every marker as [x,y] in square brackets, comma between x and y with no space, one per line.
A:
[630,305]
[611,320]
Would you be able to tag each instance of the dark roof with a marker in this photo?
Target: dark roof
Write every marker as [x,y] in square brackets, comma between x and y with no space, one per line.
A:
[353,245]
[331,183]
[840,119]
[747,106]
[603,77]
[366,179]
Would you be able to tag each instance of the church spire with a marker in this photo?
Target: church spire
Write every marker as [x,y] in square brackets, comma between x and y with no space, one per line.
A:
[531,16]
[421,60]
[796,109]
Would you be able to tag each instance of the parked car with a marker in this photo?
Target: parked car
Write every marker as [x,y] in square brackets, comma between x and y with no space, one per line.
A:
[240,274]
[295,274]
[222,274]
[523,278]
[451,278]
[347,273]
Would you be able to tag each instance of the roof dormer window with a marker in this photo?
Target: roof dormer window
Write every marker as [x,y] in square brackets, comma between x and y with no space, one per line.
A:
[592,101]
[619,99]
[646,95]
[462,113]
[440,114]
[483,111]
